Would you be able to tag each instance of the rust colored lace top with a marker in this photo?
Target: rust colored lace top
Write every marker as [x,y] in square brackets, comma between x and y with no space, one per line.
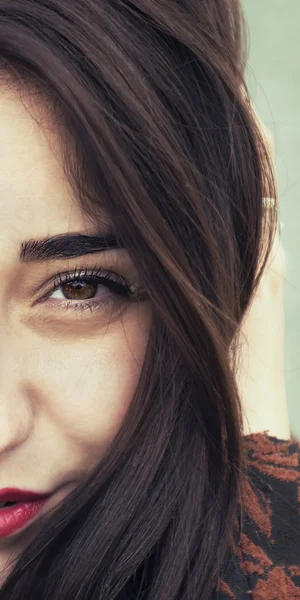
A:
[265,563]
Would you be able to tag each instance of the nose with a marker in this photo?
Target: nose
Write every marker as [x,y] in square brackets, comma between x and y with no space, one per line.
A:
[15,409]
[14,424]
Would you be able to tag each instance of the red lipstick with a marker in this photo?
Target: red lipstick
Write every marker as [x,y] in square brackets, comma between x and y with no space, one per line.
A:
[25,506]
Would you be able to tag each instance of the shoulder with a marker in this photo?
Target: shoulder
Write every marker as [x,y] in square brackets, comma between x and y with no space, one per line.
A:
[265,562]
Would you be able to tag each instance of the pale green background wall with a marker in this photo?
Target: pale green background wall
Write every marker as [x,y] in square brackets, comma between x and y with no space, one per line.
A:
[274,81]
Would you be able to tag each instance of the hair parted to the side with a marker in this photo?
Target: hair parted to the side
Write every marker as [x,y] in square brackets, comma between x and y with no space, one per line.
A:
[152,98]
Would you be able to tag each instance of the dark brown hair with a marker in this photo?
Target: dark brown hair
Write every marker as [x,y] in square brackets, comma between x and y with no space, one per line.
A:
[151,96]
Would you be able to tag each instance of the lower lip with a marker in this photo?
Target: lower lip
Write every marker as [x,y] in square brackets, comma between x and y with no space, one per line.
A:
[15,517]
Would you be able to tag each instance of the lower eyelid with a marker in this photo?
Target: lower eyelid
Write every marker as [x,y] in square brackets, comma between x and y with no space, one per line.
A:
[103,302]
[94,300]
[85,305]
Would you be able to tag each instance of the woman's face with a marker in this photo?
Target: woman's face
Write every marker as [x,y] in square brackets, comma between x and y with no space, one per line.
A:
[70,359]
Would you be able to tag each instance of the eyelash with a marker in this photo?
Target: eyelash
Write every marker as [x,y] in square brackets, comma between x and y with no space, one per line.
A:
[119,287]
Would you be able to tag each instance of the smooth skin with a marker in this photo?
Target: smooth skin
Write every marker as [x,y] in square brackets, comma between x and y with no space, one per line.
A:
[261,376]
[67,375]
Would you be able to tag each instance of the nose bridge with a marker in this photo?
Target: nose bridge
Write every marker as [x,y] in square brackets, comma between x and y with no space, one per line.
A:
[15,410]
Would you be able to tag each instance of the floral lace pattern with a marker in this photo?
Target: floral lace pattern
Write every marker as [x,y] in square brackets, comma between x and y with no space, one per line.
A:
[265,562]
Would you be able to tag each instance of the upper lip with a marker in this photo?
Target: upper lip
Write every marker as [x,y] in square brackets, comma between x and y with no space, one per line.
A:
[16,495]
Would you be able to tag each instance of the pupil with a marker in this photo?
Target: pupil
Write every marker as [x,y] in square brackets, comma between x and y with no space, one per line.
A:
[79,290]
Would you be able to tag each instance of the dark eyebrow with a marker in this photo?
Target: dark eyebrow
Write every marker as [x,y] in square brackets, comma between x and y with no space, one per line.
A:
[66,245]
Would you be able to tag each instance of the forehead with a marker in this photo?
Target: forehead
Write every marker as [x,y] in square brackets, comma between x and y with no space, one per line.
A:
[35,196]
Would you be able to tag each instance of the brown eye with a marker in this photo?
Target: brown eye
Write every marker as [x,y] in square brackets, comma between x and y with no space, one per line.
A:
[83,289]
[79,290]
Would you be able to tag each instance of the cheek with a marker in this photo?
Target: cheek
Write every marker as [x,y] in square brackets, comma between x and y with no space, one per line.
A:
[92,385]
[101,395]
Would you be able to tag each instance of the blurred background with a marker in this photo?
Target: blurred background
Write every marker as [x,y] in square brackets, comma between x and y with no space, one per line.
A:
[274,81]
